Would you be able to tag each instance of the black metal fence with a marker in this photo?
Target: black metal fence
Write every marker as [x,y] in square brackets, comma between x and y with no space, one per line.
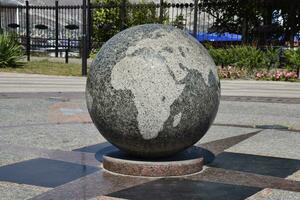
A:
[43,28]
[60,29]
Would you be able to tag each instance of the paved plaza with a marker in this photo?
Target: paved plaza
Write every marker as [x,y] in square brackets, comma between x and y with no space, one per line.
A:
[50,149]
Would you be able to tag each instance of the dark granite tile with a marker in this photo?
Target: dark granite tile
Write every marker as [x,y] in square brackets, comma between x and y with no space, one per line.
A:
[284,100]
[93,185]
[77,157]
[44,172]
[63,96]
[218,146]
[186,189]
[245,179]
[96,148]
[274,126]
[270,166]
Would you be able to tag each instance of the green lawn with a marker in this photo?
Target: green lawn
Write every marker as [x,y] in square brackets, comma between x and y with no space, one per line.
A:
[47,68]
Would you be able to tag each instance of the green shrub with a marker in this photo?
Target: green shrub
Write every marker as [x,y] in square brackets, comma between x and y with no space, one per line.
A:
[293,58]
[248,57]
[245,57]
[272,57]
[10,52]
[222,57]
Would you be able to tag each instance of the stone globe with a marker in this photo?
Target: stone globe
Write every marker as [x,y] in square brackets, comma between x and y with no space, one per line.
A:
[153,90]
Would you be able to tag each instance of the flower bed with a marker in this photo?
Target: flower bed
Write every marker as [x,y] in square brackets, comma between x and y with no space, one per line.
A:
[277,75]
[231,72]
[248,62]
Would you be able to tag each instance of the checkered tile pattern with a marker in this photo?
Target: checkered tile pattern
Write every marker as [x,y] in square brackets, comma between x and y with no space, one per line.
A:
[244,162]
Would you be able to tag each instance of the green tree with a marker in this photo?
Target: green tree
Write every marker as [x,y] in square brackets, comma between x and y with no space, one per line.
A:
[179,22]
[107,21]
[257,20]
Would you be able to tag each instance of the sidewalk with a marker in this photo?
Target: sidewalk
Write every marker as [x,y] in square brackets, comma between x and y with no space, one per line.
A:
[49,145]
[12,82]
[59,59]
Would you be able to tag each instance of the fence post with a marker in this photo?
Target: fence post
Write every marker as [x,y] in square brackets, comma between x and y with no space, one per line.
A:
[161,12]
[1,31]
[84,39]
[27,32]
[67,52]
[195,18]
[123,14]
[56,28]
[90,27]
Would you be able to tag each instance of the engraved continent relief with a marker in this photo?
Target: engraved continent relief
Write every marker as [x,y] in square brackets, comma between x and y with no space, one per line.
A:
[154,77]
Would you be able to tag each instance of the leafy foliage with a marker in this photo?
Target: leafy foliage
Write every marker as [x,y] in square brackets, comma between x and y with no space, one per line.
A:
[293,58]
[10,52]
[272,57]
[246,57]
[107,21]
[222,57]
[142,15]
[258,21]
[179,22]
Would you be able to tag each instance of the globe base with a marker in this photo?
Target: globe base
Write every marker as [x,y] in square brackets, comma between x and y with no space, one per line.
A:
[185,163]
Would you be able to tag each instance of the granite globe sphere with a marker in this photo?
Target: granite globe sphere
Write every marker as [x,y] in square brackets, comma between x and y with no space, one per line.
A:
[153,90]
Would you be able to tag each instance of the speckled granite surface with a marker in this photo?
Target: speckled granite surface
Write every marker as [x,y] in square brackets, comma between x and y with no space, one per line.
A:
[152,96]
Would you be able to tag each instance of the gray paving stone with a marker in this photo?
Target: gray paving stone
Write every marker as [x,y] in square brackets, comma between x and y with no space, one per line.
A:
[7,157]
[273,194]
[14,82]
[31,123]
[18,112]
[23,111]
[284,144]
[59,136]
[276,194]
[295,176]
[256,113]
[14,191]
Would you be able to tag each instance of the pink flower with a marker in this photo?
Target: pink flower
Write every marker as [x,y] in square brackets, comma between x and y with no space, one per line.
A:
[258,75]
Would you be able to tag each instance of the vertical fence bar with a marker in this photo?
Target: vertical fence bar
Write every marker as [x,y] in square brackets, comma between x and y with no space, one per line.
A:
[56,28]
[195,18]
[1,31]
[67,52]
[27,32]
[161,12]
[84,39]
[90,26]
[123,14]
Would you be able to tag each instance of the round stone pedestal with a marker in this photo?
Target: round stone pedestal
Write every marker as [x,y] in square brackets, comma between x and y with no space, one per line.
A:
[184,163]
